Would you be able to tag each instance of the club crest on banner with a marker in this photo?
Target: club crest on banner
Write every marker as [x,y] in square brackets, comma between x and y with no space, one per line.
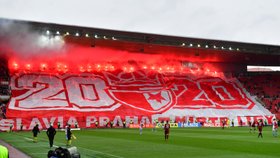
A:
[141,91]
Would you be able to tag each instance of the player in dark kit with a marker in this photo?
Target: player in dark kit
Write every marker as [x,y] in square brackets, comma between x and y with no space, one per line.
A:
[51,133]
[35,132]
[166,130]
[124,124]
[260,127]
[223,124]
[68,135]
[58,125]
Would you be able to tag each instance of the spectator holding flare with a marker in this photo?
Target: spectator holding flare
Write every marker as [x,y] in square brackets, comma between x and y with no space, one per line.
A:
[260,127]
[35,132]
[51,133]
[274,128]
[166,130]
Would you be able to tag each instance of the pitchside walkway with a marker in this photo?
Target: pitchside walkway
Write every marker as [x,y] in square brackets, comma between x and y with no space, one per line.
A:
[14,153]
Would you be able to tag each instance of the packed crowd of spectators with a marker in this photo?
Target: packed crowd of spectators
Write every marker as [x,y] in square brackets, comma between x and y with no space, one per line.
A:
[266,86]
[5,89]
[3,110]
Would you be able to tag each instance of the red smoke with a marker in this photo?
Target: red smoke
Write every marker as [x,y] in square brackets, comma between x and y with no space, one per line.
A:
[31,51]
[76,56]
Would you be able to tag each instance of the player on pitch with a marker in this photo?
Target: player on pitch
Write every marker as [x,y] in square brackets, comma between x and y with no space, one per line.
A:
[274,128]
[166,131]
[51,133]
[35,132]
[260,127]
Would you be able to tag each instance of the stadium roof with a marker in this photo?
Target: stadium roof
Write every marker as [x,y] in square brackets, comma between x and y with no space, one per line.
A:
[255,21]
[156,39]
[137,39]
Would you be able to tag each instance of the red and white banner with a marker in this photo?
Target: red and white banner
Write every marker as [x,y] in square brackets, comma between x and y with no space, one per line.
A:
[87,97]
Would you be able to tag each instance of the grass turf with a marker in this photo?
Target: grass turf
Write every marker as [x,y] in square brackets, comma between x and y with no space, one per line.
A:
[128,143]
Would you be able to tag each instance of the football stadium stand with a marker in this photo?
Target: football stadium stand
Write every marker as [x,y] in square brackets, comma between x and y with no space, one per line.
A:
[140,86]
[266,87]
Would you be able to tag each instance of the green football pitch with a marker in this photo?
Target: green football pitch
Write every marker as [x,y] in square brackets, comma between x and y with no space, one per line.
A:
[128,143]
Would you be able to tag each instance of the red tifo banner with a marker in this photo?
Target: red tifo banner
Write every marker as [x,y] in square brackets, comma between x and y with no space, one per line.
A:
[86,97]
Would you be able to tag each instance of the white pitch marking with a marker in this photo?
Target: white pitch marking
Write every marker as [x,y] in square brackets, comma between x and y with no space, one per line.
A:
[82,148]
[28,138]
[38,154]
[102,153]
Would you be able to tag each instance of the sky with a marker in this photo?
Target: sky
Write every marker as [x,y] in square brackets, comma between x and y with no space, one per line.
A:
[252,21]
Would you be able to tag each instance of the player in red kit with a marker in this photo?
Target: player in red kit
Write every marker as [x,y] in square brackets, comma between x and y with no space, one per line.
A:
[166,130]
[223,124]
[260,127]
